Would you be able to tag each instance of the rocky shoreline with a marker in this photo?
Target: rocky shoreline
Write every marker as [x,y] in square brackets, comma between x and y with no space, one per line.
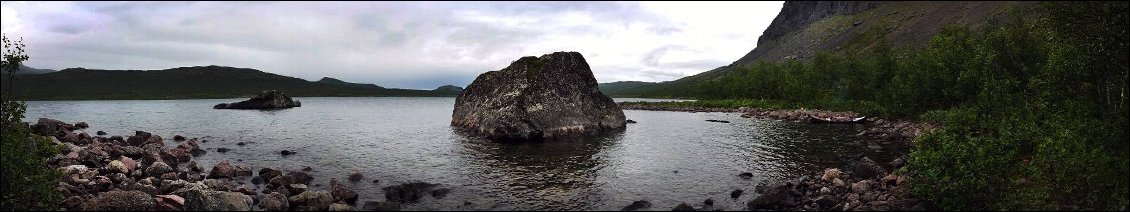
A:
[141,172]
[865,185]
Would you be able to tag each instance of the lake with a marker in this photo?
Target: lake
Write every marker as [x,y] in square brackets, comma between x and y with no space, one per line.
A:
[667,158]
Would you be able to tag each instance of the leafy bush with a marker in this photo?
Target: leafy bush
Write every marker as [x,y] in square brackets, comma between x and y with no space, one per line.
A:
[28,182]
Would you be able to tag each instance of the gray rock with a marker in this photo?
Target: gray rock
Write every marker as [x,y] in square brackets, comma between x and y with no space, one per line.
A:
[860,187]
[120,201]
[300,177]
[268,173]
[268,99]
[274,202]
[199,200]
[133,152]
[316,200]
[73,203]
[342,193]
[157,169]
[47,127]
[297,188]
[827,201]
[74,169]
[222,170]
[148,189]
[340,207]
[118,166]
[537,97]
[898,162]
[866,168]
[830,174]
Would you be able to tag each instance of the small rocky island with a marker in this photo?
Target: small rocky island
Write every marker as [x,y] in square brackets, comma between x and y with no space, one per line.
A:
[535,98]
[268,99]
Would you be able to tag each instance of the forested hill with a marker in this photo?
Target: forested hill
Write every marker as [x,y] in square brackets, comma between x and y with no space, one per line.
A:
[186,83]
[1032,96]
[805,28]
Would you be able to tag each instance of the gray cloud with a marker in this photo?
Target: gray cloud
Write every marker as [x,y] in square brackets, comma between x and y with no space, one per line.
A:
[419,45]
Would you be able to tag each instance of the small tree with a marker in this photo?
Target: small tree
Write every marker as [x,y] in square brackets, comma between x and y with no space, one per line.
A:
[14,56]
[28,182]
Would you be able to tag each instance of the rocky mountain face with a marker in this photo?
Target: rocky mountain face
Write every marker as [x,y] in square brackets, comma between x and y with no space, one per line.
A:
[796,15]
[554,95]
[804,28]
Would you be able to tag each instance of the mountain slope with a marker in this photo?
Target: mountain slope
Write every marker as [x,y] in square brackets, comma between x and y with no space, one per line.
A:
[183,83]
[802,29]
[332,81]
[624,88]
[29,70]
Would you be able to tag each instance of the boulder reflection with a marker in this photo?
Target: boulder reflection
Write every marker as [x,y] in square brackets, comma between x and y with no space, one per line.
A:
[551,174]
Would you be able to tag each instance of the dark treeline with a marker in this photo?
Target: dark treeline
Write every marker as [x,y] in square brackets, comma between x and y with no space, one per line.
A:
[1034,105]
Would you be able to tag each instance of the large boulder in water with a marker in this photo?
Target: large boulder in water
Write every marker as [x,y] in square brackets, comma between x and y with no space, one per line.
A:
[537,97]
[269,99]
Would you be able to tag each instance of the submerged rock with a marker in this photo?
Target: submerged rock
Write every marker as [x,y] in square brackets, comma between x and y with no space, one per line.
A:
[268,99]
[772,198]
[537,97]
[408,192]
[683,207]
[746,175]
[642,204]
[381,206]
[356,176]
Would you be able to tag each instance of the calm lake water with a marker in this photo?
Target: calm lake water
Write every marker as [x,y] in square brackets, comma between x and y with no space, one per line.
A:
[667,158]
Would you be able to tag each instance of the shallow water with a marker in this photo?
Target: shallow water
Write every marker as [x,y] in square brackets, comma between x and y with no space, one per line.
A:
[667,158]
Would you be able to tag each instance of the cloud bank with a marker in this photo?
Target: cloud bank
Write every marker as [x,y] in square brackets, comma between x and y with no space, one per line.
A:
[419,45]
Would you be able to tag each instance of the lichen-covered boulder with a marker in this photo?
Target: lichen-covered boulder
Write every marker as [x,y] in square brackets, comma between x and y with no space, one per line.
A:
[534,98]
[120,201]
[199,200]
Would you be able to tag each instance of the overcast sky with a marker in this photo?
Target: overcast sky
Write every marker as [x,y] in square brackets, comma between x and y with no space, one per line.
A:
[419,45]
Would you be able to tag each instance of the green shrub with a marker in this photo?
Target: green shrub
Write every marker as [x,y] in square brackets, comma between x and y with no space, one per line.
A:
[28,182]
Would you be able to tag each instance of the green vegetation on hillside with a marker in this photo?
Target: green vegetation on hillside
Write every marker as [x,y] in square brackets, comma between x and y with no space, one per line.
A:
[622,86]
[1033,105]
[200,82]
